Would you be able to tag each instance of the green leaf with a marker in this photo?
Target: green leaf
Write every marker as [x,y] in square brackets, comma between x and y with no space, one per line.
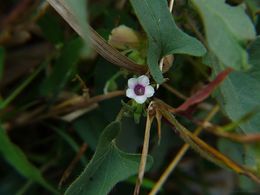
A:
[254,59]
[163,34]
[2,55]
[63,68]
[15,157]
[90,126]
[240,92]
[227,28]
[108,166]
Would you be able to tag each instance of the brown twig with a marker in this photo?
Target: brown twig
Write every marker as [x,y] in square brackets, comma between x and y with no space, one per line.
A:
[179,155]
[60,109]
[72,105]
[149,120]
[218,131]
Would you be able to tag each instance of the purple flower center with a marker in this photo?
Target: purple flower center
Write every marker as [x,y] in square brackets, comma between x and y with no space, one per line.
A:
[139,89]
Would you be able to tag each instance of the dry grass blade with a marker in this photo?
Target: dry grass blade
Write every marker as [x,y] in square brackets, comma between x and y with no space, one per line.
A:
[205,150]
[114,56]
[64,10]
[100,45]
[180,154]
[61,109]
[219,131]
[145,149]
[159,125]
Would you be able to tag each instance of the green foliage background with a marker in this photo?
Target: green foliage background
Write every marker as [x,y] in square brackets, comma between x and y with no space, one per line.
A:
[40,56]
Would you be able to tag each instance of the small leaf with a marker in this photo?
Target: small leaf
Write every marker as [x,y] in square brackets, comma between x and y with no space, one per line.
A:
[163,34]
[226,28]
[15,157]
[108,166]
[123,37]
[203,93]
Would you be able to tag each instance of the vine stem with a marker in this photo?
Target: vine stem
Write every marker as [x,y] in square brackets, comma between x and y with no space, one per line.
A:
[171,5]
[162,60]
[180,154]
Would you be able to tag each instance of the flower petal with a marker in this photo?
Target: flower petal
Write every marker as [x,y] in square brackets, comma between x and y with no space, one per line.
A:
[130,93]
[140,99]
[149,91]
[132,82]
[143,80]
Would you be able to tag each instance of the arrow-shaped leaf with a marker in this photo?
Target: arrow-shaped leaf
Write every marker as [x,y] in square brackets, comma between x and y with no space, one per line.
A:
[163,34]
[108,166]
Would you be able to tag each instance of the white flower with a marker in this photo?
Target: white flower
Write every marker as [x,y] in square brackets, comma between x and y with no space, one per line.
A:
[139,89]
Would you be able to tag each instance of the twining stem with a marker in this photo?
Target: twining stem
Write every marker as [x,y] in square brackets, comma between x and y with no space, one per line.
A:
[141,171]
[219,131]
[162,60]
[180,154]
[171,5]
